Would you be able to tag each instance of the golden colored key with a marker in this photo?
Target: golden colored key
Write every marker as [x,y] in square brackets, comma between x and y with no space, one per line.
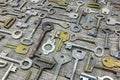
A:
[64,36]
[110,62]
[20,48]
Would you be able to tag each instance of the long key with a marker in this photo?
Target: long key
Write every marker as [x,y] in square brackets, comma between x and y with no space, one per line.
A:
[46,27]
[64,36]
[3,55]
[95,31]
[12,68]
[15,34]
[112,21]
[71,15]
[79,4]
[61,59]
[110,62]
[28,40]
[77,55]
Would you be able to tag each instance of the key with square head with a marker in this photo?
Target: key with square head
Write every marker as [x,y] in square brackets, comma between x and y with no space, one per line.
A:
[20,48]
[64,36]
[61,59]
[77,55]
[42,65]
[112,21]
[110,62]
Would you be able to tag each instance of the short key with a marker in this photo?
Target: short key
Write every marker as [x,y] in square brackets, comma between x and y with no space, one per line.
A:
[46,27]
[77,55]
[61,59]
[110,62]
[12,68]
[15,34]
[112,21]
[64,36]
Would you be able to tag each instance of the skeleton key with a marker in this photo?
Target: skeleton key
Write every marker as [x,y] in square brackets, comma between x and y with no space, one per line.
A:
[61,59]
[71,15]
[110,62]
[64,36]
[20,48]
[46,27]
[12,68]
[77,55]
[112,21]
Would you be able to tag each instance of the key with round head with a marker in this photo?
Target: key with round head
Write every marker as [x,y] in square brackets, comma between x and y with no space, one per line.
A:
[64,36]
[110,62]
[46,27]
[61,59]
[77,55]
[112,21]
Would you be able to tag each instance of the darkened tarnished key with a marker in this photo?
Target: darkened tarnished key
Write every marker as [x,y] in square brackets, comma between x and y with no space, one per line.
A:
[60,59]
[46,27]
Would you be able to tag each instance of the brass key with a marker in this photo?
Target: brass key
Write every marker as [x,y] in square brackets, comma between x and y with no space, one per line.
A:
[64,36]
[110,62]
[20,48]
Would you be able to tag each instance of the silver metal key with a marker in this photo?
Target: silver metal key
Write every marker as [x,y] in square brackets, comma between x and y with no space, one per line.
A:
[112,21]
[61,59]
[4,54]
[15,34]
[77,55]
[12,68]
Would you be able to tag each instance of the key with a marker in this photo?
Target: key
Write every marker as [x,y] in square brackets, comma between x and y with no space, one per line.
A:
[64,36]
[20,48]
[28,40]
[74,37]
[15,34]
[2,63]
[46,27]
[42,64]
[112,21]
[107,32]
[98,51]
[110,62]
[95,31]
[22,63]
[71,15]
[9,22]
[77,55]
[61,59]
[106,9]
[89,10]
[12,68]
[27,76]
[79,4]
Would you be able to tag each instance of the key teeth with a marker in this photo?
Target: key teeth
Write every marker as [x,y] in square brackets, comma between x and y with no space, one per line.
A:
[14,68]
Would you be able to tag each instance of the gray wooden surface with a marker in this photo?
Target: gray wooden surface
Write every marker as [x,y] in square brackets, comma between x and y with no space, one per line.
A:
[67,68]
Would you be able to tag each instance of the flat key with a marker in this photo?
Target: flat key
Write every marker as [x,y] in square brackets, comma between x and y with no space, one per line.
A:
[77,55]
[46,27]
[112,21]
[110,62]
[15,34]
[61,59]
[64,36]
[20,48]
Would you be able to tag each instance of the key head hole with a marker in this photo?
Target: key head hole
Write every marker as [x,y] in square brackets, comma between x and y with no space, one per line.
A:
[108,20]
[48,47]
[24,49]
[106,61]
[17,32]
[25,63]
[106,79]
[81,78]
[47,26]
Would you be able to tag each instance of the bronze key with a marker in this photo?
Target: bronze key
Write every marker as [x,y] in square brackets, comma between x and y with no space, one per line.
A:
[46,27]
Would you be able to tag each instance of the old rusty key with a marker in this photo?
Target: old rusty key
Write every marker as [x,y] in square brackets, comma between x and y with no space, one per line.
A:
[64,36]
[60,59]
[110,62]
[42,64]
[46,27]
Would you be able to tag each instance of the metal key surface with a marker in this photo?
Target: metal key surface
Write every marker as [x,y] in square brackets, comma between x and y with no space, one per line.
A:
[64,36]
[77,55]
[112,21]
[46,27]
[61,59]
[110,62]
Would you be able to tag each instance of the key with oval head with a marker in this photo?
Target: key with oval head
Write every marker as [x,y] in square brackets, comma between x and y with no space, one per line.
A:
[64,36]
[46,27]
[61,59]
[112,21]
[20,48]
[77,55]
[110,62]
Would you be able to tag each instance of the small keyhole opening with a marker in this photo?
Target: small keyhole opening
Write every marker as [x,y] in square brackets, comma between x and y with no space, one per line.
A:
[108,20]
